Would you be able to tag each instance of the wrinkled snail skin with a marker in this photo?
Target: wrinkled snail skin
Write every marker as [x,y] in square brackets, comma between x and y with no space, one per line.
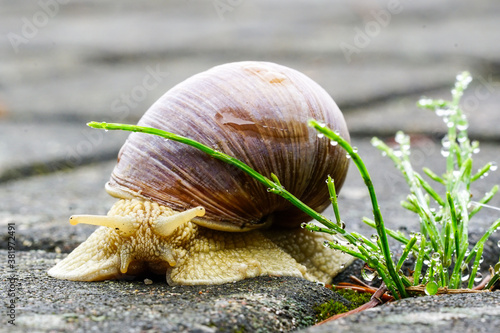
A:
[201,221]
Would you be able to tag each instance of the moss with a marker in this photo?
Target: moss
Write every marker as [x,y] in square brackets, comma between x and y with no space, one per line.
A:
[354,296]
[332,307]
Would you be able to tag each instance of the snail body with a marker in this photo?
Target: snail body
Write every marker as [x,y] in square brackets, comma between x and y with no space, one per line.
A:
[201,221]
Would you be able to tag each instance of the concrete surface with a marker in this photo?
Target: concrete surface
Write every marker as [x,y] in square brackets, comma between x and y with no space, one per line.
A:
[66,62]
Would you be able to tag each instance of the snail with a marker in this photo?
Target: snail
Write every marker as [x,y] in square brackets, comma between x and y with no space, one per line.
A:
[200,221]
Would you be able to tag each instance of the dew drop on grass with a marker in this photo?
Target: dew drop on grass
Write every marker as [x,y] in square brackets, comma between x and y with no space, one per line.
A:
[494,166]
[445,141]
[441,112]
[484,175]
[445,152]
[303,225]
[465,269]
[478,277]
[374,238]
[431,288]
[498,243]
[326,244]
[334,143]
[400,137]
[462,137]
[321,135]
[368,275]
[497,268]
[462,124]
[476,150]
[348,156]
[425,101]
[354,149]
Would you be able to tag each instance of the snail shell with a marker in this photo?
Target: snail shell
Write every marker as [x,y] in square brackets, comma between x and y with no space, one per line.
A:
[256,112]
[180,208]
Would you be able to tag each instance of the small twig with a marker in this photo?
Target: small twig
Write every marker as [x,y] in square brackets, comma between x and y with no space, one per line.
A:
[358,281]
[368,290]
[373,302]
[445,290]
[483,283]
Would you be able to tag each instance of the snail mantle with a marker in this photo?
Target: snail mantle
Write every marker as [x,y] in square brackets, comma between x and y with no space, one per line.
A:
[200,221]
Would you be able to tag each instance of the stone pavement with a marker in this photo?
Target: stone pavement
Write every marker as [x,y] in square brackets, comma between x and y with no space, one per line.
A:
[64,63]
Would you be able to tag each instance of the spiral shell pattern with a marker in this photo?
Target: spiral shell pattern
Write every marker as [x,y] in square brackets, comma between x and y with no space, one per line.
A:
[254,111]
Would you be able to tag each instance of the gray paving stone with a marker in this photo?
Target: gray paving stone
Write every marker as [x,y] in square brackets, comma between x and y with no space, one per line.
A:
[462,313]
[265,304]
[30,148]
[118,93]
[81,61]
[40,206]
[479,103]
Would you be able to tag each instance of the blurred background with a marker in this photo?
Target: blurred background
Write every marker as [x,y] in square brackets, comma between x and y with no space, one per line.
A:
[67,62]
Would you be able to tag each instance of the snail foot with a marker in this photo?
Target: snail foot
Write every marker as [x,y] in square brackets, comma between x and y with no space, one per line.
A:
[93,260]
[308,249]
[219,257]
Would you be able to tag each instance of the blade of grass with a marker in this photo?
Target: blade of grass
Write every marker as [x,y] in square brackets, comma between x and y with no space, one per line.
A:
[484,200]
[406,251]
[433,176]
[333,198]
[420,261]
[379,221]
[475,266]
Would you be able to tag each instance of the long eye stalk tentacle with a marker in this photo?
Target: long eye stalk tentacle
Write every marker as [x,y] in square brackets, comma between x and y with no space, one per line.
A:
[125,224]
[165,225]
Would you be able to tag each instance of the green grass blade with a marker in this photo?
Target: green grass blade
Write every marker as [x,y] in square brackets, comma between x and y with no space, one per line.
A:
[333,199]
[406,251]
[379,221]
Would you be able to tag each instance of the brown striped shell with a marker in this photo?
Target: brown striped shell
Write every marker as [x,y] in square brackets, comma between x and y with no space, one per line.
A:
[254,111]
